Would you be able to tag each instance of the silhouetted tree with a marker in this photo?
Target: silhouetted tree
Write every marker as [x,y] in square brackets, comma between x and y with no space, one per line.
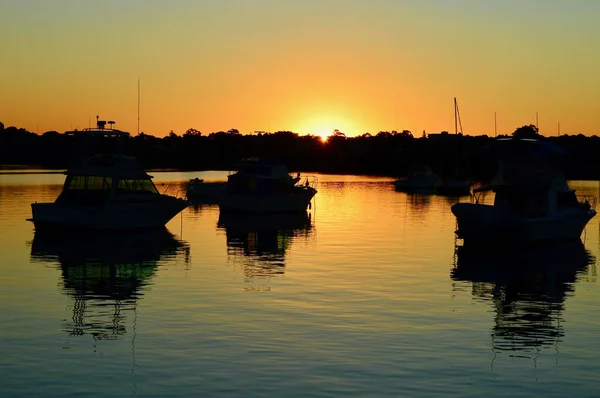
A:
[527,131]
[192,133]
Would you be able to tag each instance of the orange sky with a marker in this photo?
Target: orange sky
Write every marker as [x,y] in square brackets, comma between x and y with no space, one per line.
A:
[307,66]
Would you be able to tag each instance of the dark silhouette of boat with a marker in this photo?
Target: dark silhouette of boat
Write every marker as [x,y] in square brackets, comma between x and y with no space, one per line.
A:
[532,202]
[107,191]
[265,186]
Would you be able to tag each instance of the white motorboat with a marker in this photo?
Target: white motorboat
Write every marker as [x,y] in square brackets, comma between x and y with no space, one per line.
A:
[532,202]
[107,192]
[265,186]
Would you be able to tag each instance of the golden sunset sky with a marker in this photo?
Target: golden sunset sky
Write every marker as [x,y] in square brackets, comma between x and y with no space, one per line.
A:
[309,66]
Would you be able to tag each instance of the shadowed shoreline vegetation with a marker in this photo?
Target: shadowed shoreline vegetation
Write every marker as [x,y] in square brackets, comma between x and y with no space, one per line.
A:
[385,153]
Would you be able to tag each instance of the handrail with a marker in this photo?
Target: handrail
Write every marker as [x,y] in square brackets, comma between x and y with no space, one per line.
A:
[308,181]
[590,200]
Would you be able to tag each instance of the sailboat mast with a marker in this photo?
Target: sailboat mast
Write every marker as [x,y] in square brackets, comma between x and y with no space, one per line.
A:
[138,126]
[455,120]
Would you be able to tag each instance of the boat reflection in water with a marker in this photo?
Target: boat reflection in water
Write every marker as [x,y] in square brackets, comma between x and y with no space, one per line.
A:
[527,287]
[104,274]
[259,242]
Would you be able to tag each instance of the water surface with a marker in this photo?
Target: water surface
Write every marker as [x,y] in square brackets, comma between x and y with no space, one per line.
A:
[365,295]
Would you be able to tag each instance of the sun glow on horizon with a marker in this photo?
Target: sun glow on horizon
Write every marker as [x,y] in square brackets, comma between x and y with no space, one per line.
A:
[324,126]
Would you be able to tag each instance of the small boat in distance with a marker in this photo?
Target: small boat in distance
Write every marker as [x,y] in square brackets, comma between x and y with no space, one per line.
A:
[200,191]
[106,192]
[418,179]
[532,202]
[265,186]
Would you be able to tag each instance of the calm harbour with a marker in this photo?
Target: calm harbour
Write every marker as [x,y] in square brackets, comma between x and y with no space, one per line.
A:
[365,296]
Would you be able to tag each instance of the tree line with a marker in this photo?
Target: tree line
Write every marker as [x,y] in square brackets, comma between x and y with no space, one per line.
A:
[388,153]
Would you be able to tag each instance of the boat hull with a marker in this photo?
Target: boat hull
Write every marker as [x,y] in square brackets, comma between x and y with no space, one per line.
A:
[121,216]
[481,223]
[296,201]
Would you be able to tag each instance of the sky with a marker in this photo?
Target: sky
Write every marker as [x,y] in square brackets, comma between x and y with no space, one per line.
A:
[308,66]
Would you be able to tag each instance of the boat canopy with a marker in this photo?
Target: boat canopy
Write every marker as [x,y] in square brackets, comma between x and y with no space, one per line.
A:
[264,168]
[528,165]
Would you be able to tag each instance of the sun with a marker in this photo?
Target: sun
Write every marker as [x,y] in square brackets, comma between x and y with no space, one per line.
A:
[323,126]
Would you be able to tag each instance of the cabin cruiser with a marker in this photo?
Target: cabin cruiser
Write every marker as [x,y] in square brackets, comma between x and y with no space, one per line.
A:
[532,199]
[265,186]
[418,179]
[107,192]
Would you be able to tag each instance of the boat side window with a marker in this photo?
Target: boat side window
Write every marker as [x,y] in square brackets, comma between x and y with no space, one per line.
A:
[136,186]
[148,186]
[77,183]
[89,183]
[86,190]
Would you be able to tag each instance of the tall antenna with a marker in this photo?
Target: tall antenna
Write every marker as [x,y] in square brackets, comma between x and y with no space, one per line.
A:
[537,124]
[558,128]
[138,128]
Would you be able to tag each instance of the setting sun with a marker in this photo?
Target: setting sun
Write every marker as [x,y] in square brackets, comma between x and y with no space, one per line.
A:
[324,126]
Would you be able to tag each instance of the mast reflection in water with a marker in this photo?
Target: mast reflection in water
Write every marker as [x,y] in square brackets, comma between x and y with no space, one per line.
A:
[104,274]
[259,242]
[527,287]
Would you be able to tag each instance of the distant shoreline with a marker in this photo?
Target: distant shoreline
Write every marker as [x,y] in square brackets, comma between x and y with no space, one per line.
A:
[385,154]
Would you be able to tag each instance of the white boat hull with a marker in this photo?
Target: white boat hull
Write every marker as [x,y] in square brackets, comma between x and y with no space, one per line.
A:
[478,222]
[298,201]
[121,216]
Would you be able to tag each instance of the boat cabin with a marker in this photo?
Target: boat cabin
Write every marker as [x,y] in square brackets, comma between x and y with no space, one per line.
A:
[261,176]
[95,180]
[530,180]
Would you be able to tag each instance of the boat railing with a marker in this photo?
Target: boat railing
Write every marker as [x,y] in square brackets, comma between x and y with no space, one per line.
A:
[176,194]
[308,181]
[478,197]
[587,200]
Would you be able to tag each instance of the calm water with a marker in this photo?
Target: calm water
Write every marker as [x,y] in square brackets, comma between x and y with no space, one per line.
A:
[364,297]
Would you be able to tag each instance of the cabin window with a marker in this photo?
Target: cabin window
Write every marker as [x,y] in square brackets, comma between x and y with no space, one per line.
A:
[137,186]
[86,190]
[91,183]
[77,183]
[98,183]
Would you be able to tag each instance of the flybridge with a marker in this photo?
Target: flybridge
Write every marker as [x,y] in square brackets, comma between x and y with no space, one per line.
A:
[100,130]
